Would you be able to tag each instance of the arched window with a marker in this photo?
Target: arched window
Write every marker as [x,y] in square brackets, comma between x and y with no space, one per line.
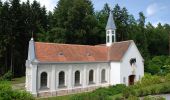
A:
[91,77]
[103,76]
[43,80]
[61,79]
[77,78]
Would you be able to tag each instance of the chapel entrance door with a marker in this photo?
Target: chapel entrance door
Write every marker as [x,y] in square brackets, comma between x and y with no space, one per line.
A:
[131,79]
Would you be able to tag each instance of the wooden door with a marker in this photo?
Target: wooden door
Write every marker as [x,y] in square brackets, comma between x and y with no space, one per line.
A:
[131,79]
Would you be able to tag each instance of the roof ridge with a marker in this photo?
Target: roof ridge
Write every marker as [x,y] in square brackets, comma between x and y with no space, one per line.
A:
[123,41]
[70,44]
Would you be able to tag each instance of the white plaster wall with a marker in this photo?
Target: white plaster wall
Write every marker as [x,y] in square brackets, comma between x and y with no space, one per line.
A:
[114,73]
[70,69]
[28,79]
[48,70]
[126,68]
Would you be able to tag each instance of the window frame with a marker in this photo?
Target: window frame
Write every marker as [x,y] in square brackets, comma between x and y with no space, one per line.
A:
[61,79]
[103,76]
[44,80]
[91,76]
[77,78]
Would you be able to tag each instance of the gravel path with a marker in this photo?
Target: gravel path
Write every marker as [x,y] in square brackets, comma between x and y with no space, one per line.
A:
[167,96]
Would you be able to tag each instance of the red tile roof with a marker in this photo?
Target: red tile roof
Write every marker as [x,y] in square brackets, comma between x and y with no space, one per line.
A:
[53,52]
[118,49]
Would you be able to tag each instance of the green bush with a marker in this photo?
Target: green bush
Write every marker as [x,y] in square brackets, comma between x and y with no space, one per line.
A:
[127,92]
[7,93]
[131,97]
[90,96]
[149,85]
[158,65]
[119,97]
[7,76]
[22,95]
[101,93]
[167,77]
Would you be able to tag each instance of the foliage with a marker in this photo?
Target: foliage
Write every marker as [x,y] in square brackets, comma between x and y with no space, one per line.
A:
[17,23]
[7,76]
[149,85]
[101,93]
[75,22]
[131,97]
[159,65]
[7,93]
[153,98]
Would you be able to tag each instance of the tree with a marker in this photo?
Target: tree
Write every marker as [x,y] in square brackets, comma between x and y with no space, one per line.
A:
[17,22]
[77,19]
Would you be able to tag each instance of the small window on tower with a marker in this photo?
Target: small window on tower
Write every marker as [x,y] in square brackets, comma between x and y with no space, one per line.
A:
[113,36]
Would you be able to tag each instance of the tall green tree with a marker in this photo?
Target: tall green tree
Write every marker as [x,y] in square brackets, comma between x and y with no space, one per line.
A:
[76,19]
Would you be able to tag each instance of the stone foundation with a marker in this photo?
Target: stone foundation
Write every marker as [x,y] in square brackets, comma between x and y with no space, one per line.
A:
[66,92]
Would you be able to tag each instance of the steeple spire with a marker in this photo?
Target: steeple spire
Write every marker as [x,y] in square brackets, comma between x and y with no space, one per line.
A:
[32,38]
[110,30]
[110,22]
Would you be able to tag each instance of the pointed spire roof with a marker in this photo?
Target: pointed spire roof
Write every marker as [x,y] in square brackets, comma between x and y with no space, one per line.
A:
[31,50]
[110,22]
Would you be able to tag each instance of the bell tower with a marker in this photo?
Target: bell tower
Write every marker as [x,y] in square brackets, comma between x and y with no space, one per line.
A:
[110,30]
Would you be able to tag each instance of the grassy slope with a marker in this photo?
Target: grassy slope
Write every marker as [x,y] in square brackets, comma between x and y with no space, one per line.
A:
[18,83]
[18,80]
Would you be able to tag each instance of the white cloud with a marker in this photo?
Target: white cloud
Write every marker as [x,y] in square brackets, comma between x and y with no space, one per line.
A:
[49,4]
[154,8]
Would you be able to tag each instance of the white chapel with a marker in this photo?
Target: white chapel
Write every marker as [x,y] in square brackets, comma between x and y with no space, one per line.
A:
[54,69]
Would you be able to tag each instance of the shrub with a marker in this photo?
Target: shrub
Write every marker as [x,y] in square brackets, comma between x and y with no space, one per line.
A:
[101,93]
[22,95]
[7,93]
[127,92]
[7,76]
[147,90]
[118,98]
[167,77]
[131,97]
[90,96]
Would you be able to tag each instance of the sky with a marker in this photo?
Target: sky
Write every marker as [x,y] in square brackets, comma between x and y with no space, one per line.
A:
[155,10]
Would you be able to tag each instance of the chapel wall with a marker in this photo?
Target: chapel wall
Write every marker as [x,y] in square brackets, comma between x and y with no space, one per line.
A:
[53,71]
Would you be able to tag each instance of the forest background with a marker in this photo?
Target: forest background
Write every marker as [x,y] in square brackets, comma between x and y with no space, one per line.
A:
[76,22]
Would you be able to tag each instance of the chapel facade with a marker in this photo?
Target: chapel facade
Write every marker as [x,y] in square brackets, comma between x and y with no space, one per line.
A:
[54,69]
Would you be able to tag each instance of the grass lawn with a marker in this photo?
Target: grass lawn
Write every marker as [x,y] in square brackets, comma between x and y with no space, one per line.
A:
[18,83]
[18,80]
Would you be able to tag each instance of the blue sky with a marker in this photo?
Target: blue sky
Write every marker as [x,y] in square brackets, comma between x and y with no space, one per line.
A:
[155,10]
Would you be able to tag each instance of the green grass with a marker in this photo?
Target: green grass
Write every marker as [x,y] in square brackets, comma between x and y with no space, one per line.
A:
[18,80]
[116,96]
[18,83]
